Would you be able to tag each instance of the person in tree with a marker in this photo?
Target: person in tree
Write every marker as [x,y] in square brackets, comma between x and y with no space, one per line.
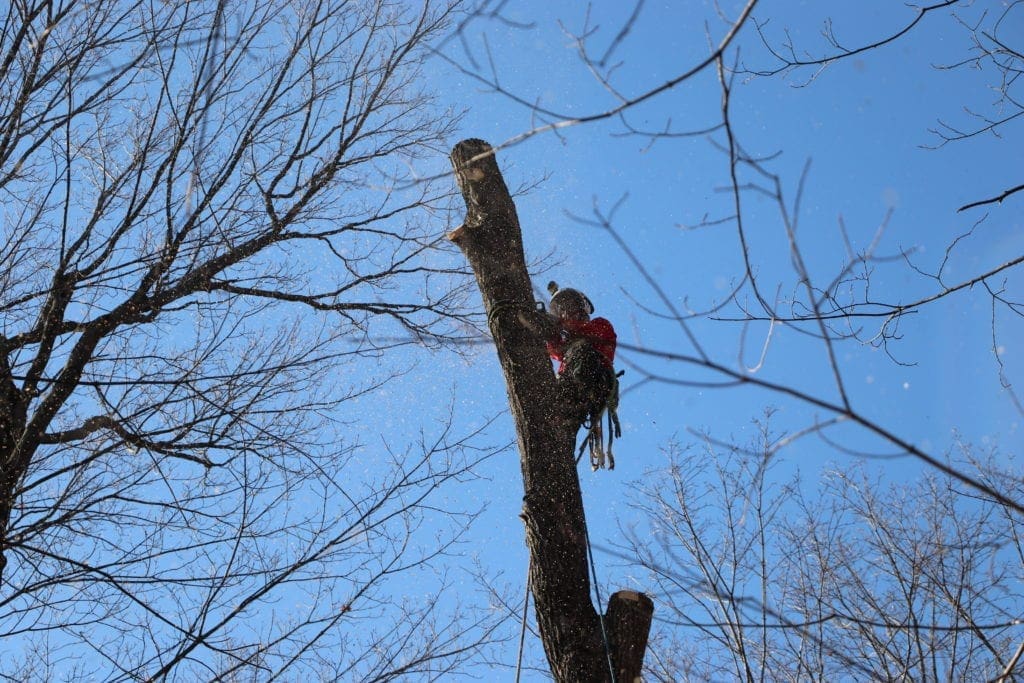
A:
[584,348]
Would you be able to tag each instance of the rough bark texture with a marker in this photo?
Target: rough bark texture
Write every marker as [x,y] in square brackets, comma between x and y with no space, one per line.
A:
[12,426]
[570,628]
[628,622]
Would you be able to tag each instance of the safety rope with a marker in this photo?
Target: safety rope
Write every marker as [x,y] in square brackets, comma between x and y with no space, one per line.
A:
[600,614]
[600,603]
[508,305]
[522,628]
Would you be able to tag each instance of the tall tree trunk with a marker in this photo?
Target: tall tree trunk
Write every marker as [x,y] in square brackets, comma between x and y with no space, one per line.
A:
[12,425]
[570,628]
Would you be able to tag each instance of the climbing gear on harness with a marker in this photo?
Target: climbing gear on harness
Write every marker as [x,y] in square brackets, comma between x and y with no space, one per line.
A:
[591,389]
[601,455]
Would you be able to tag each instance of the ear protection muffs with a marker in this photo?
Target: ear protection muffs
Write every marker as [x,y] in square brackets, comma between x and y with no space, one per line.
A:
[568,299]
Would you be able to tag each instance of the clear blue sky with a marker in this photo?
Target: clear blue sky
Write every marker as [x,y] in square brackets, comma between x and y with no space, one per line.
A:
[863,125]
[860,128]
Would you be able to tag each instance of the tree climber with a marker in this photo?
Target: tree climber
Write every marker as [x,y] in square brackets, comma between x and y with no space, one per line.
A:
[585,351]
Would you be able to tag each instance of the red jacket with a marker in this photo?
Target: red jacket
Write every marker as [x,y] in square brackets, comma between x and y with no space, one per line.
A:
[599,332]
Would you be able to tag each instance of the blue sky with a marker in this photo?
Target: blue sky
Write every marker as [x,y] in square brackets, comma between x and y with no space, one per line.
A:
[857,133]
[862,125]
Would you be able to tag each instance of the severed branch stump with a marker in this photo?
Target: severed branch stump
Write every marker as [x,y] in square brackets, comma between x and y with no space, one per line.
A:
[570,627]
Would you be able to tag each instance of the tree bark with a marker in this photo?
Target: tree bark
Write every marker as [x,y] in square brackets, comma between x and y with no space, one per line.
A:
[570,627]
[12,426]
[628,622]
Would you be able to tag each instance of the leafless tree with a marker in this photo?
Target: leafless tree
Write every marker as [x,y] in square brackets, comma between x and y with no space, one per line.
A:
[857,581]
[204,229]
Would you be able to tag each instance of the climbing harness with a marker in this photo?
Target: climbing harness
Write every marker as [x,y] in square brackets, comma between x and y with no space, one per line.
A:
[593,387]
[600,454]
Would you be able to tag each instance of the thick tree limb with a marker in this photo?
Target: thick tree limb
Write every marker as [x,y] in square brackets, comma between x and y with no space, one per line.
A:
[570,627]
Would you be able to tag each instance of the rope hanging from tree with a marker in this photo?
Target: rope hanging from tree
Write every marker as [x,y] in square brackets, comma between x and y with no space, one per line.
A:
[600,614]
